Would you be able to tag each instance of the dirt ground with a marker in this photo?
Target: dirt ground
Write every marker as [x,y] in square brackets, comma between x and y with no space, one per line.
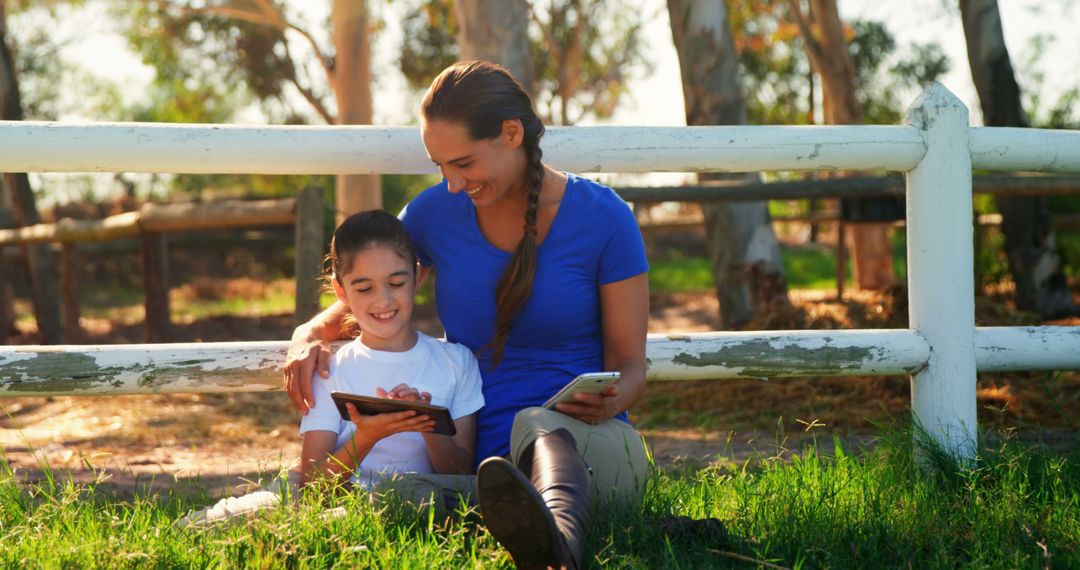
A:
[219,442]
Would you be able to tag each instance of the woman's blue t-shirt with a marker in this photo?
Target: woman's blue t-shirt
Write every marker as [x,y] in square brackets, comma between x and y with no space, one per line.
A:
[594,240]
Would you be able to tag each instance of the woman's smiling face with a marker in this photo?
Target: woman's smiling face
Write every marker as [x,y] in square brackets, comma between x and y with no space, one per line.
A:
[379,288]
[486,170]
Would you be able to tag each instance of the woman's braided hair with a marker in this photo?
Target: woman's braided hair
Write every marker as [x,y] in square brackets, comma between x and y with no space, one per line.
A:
[481,96]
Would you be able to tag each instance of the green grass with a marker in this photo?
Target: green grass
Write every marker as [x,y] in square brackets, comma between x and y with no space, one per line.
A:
[274,304]
[124,304]
[1018,507]
[879,509]
[810,267]
[680,274]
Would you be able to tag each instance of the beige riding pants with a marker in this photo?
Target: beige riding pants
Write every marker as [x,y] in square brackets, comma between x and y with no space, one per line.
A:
[615,453]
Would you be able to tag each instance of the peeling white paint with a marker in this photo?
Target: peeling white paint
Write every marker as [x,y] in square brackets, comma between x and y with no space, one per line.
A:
[941,272]
[256,366]
[134,369]
[779,354]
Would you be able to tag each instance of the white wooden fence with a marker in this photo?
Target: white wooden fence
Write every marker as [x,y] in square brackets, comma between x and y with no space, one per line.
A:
[937,149]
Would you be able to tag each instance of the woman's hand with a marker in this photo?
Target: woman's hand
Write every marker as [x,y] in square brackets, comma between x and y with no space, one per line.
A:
[374,428]
[308,353]
[593,408]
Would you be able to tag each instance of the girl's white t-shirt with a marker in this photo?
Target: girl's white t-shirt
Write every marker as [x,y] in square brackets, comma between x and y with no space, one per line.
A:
[447,370]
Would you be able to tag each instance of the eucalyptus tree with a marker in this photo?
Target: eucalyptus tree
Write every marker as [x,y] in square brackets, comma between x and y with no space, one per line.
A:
[747,267]
[496,30]
[1034,263]
[823,39]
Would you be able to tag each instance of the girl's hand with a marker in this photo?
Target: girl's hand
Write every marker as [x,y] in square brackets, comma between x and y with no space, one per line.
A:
[404,392]
[593,408]
[308,353]
[379,426]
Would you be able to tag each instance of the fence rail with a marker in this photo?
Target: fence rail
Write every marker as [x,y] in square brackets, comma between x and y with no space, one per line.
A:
[152,222]
[937,150]
[255,366]
[184,216]
[850,187]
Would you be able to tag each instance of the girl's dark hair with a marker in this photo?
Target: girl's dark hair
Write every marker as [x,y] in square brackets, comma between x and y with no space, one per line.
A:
[481,95]
[367,229]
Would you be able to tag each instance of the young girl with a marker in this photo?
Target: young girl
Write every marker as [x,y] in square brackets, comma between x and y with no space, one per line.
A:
[375,275]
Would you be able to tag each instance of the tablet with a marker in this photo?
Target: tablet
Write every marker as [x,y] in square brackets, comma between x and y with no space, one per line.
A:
[370,406]
[591,382]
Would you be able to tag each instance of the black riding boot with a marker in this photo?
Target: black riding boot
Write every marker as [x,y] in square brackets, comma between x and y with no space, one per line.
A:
[539,513]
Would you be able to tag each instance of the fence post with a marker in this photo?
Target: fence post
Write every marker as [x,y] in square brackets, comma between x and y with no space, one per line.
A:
[7,300]
[309,252]
[940,261]
[7,291]
[156,286]
[841,257]
[69,291]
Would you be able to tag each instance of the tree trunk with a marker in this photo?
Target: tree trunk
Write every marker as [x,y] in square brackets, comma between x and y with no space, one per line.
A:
[1029,237]
[830,58]
[43,272]
[747,268]
[496,31]
[352,88]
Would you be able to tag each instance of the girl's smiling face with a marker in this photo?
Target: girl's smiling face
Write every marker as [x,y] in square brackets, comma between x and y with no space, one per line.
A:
[379,287]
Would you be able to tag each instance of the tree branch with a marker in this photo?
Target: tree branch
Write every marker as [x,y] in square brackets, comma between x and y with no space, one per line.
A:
[309,94]
[814,48]
[549,37]
[267,16]
[323,60]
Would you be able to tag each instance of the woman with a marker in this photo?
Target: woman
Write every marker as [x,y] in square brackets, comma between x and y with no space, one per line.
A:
[543,275]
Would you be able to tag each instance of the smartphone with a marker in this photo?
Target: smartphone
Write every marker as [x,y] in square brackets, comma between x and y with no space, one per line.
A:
[590,382]
[370,406]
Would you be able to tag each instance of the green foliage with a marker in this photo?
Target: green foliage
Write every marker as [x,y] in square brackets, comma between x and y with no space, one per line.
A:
[49,85]
[775,71]
[1069,249]
[777,78]
[583,52]
[207,68]
[208,58]
[429,43]
[1063,113]
[398,189]
[871,48]
[1029,75]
